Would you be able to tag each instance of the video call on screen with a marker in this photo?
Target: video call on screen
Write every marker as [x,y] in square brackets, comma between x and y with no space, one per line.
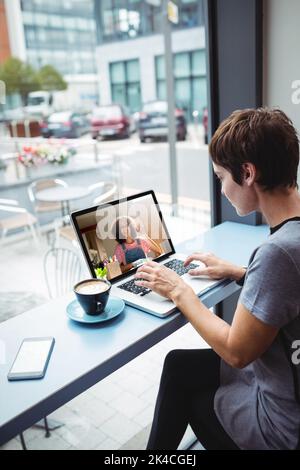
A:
[121,237]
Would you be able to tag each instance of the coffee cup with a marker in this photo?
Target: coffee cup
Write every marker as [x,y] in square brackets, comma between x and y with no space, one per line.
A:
[93,294]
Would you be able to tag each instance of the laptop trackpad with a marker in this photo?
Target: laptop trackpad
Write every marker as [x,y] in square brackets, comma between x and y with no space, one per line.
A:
[199,284]
[154,297]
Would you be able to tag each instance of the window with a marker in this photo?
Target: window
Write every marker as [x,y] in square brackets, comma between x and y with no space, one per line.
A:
[83,24]
[190,81]
[71,37]
[126,19]
[125,84]
[190,13]
[30,37]
[70,23]
[41,20]
[56,21]
[41,35]
[28,18]
[182,65]
[26,5]
[117,73]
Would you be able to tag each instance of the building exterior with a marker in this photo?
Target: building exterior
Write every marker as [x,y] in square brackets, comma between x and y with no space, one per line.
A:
[111,50]
[4,38]
[60,33]
[130,53]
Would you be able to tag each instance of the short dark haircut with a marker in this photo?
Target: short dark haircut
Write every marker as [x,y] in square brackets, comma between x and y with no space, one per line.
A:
[117,232]
[264,137]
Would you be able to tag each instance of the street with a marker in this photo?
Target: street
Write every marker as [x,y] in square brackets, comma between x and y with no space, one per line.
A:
[146,166]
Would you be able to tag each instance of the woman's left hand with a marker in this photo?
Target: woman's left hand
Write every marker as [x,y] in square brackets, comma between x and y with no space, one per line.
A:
[160,279]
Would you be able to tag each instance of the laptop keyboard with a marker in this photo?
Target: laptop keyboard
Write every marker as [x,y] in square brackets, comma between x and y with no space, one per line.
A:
[174,264]
[131,287]
[177,266]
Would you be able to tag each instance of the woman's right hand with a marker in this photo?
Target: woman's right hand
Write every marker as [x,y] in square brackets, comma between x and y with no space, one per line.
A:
[214,267]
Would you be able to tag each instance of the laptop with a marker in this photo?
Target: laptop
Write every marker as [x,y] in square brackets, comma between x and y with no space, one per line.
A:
[119,236]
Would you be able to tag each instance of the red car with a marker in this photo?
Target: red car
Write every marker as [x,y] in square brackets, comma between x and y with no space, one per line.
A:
[110,121]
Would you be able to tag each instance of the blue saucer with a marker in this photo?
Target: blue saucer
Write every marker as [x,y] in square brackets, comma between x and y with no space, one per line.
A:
[114,307]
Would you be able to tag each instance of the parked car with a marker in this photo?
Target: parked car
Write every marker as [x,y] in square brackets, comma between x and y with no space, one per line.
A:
[153,121]
[66,124]
[111,121]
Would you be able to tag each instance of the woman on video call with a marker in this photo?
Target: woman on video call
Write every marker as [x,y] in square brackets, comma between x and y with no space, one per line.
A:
[244,392]
[133,245]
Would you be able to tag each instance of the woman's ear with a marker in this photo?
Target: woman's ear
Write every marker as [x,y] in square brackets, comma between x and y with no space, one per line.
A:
[249,173]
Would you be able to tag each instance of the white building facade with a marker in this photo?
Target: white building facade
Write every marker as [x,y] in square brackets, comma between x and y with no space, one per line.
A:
[130,54]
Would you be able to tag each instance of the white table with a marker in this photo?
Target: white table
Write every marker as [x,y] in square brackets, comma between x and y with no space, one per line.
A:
[85,354]
[64,195]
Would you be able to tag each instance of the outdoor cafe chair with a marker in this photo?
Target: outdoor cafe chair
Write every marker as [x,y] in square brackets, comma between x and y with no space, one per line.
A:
[62,269]
[39,185]
[20,218]
[103,191]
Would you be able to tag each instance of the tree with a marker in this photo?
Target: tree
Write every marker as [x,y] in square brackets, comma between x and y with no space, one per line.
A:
[19,77]
[50,79]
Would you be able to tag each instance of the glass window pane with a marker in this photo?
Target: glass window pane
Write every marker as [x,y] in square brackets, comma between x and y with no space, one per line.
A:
[199,92]
[28,17]
[161,90]
[71,37]
[119,94]
[82,24]
[56,21]
[70,23]
[183,94]
[134,97]
[41,35]
[117,71]
[106,3]
[27,5]
[30,37]
[133,71]
[108,22]
[198,63]
[41,20]
[160,67]
[181,65]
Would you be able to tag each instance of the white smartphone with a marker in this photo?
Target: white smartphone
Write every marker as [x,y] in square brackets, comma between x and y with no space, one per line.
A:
[32,359]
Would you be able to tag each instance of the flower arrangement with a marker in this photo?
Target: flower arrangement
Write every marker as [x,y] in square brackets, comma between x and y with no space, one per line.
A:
[41,154]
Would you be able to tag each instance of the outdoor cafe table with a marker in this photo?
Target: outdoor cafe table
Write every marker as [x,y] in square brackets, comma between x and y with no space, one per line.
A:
[63,195]
[84,355]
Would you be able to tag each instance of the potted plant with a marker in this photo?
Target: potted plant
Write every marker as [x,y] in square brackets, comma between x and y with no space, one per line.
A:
[101,273]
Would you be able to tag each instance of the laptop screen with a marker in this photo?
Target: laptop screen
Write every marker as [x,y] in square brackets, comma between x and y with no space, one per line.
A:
[119,236]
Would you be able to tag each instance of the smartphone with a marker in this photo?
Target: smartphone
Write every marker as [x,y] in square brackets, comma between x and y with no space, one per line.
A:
[32,359]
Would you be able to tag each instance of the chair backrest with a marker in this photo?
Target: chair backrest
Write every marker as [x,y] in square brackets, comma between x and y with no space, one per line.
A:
[11,205]
[62,269]
[109,192]
[39,185]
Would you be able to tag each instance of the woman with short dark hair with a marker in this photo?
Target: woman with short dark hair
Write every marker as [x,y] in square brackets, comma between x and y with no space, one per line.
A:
[243,393]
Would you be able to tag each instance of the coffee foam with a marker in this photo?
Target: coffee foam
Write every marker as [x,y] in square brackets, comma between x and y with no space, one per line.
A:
[91,287]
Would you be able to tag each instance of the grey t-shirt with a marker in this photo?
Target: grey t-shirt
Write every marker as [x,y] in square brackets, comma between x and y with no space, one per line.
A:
[257,405]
